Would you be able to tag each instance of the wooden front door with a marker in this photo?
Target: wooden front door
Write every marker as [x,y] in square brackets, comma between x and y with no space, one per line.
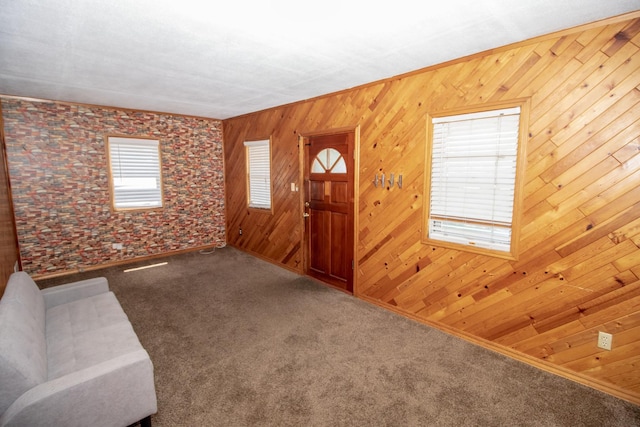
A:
[328,184]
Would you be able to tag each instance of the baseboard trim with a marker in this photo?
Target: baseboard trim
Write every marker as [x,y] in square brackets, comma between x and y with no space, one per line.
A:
[577,377]
[506,351]
[267,259]
[513,354]
[121,262]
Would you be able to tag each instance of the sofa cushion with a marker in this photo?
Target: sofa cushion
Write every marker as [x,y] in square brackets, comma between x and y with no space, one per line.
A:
[22,288]
[83,333]
[23,352]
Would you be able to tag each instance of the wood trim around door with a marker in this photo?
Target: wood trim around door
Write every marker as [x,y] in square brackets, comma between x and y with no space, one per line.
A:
[303,139]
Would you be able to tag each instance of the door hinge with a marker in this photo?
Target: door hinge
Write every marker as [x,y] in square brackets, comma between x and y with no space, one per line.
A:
[353,265]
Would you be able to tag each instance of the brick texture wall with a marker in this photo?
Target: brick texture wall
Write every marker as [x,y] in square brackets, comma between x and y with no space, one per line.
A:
[60,183]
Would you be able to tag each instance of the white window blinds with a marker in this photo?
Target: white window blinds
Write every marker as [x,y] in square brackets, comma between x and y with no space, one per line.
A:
[473,172]
[259,171]
[135,173]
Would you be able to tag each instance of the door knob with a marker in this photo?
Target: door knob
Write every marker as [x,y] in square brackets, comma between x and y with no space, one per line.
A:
[306,204]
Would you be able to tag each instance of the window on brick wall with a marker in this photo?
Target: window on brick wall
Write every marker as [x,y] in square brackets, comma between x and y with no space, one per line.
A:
[135,173]
[473,179]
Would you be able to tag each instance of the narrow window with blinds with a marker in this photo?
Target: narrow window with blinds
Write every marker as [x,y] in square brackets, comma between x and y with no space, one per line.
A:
[258,174]
[473,170]
[136,180]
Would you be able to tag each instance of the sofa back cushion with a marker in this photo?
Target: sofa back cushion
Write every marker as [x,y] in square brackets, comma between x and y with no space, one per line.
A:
[23,349]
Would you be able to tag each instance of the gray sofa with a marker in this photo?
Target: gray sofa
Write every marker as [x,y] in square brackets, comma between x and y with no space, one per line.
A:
[69,357]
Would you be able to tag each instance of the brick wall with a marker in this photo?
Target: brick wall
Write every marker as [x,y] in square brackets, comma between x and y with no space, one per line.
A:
[60,183]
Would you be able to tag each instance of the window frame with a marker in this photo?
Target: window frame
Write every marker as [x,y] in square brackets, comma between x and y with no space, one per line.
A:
[521,156]
[112,190]
[340,161]
[248,143]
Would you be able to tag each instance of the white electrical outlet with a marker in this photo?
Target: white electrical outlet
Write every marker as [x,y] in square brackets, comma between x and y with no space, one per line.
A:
[604,340]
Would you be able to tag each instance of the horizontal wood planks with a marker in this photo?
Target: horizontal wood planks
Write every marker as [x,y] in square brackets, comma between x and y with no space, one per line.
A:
[578,270]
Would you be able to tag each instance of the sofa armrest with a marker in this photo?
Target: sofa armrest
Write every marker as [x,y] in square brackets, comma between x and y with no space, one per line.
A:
[63,294]
[118,392]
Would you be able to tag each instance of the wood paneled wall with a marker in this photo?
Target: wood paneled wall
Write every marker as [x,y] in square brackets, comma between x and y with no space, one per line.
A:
[579,264]
[9,252]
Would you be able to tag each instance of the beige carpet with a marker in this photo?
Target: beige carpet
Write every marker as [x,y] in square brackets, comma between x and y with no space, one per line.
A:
[237,341]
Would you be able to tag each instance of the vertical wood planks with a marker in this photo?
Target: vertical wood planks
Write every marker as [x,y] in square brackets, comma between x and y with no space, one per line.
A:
[9,251]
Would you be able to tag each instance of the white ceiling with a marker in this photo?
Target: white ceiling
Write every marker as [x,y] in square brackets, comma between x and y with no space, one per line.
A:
[200,58]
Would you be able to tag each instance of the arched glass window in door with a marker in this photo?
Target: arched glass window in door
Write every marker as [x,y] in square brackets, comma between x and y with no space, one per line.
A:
[329,160]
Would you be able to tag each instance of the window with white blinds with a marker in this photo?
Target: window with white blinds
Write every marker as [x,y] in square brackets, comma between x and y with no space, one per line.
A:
[259,174]
[136,179]
[473,177]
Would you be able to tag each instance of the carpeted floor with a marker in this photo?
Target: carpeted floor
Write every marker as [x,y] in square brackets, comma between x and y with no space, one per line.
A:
[236,341]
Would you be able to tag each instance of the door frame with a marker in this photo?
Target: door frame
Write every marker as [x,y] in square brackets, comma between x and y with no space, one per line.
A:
[303,137]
